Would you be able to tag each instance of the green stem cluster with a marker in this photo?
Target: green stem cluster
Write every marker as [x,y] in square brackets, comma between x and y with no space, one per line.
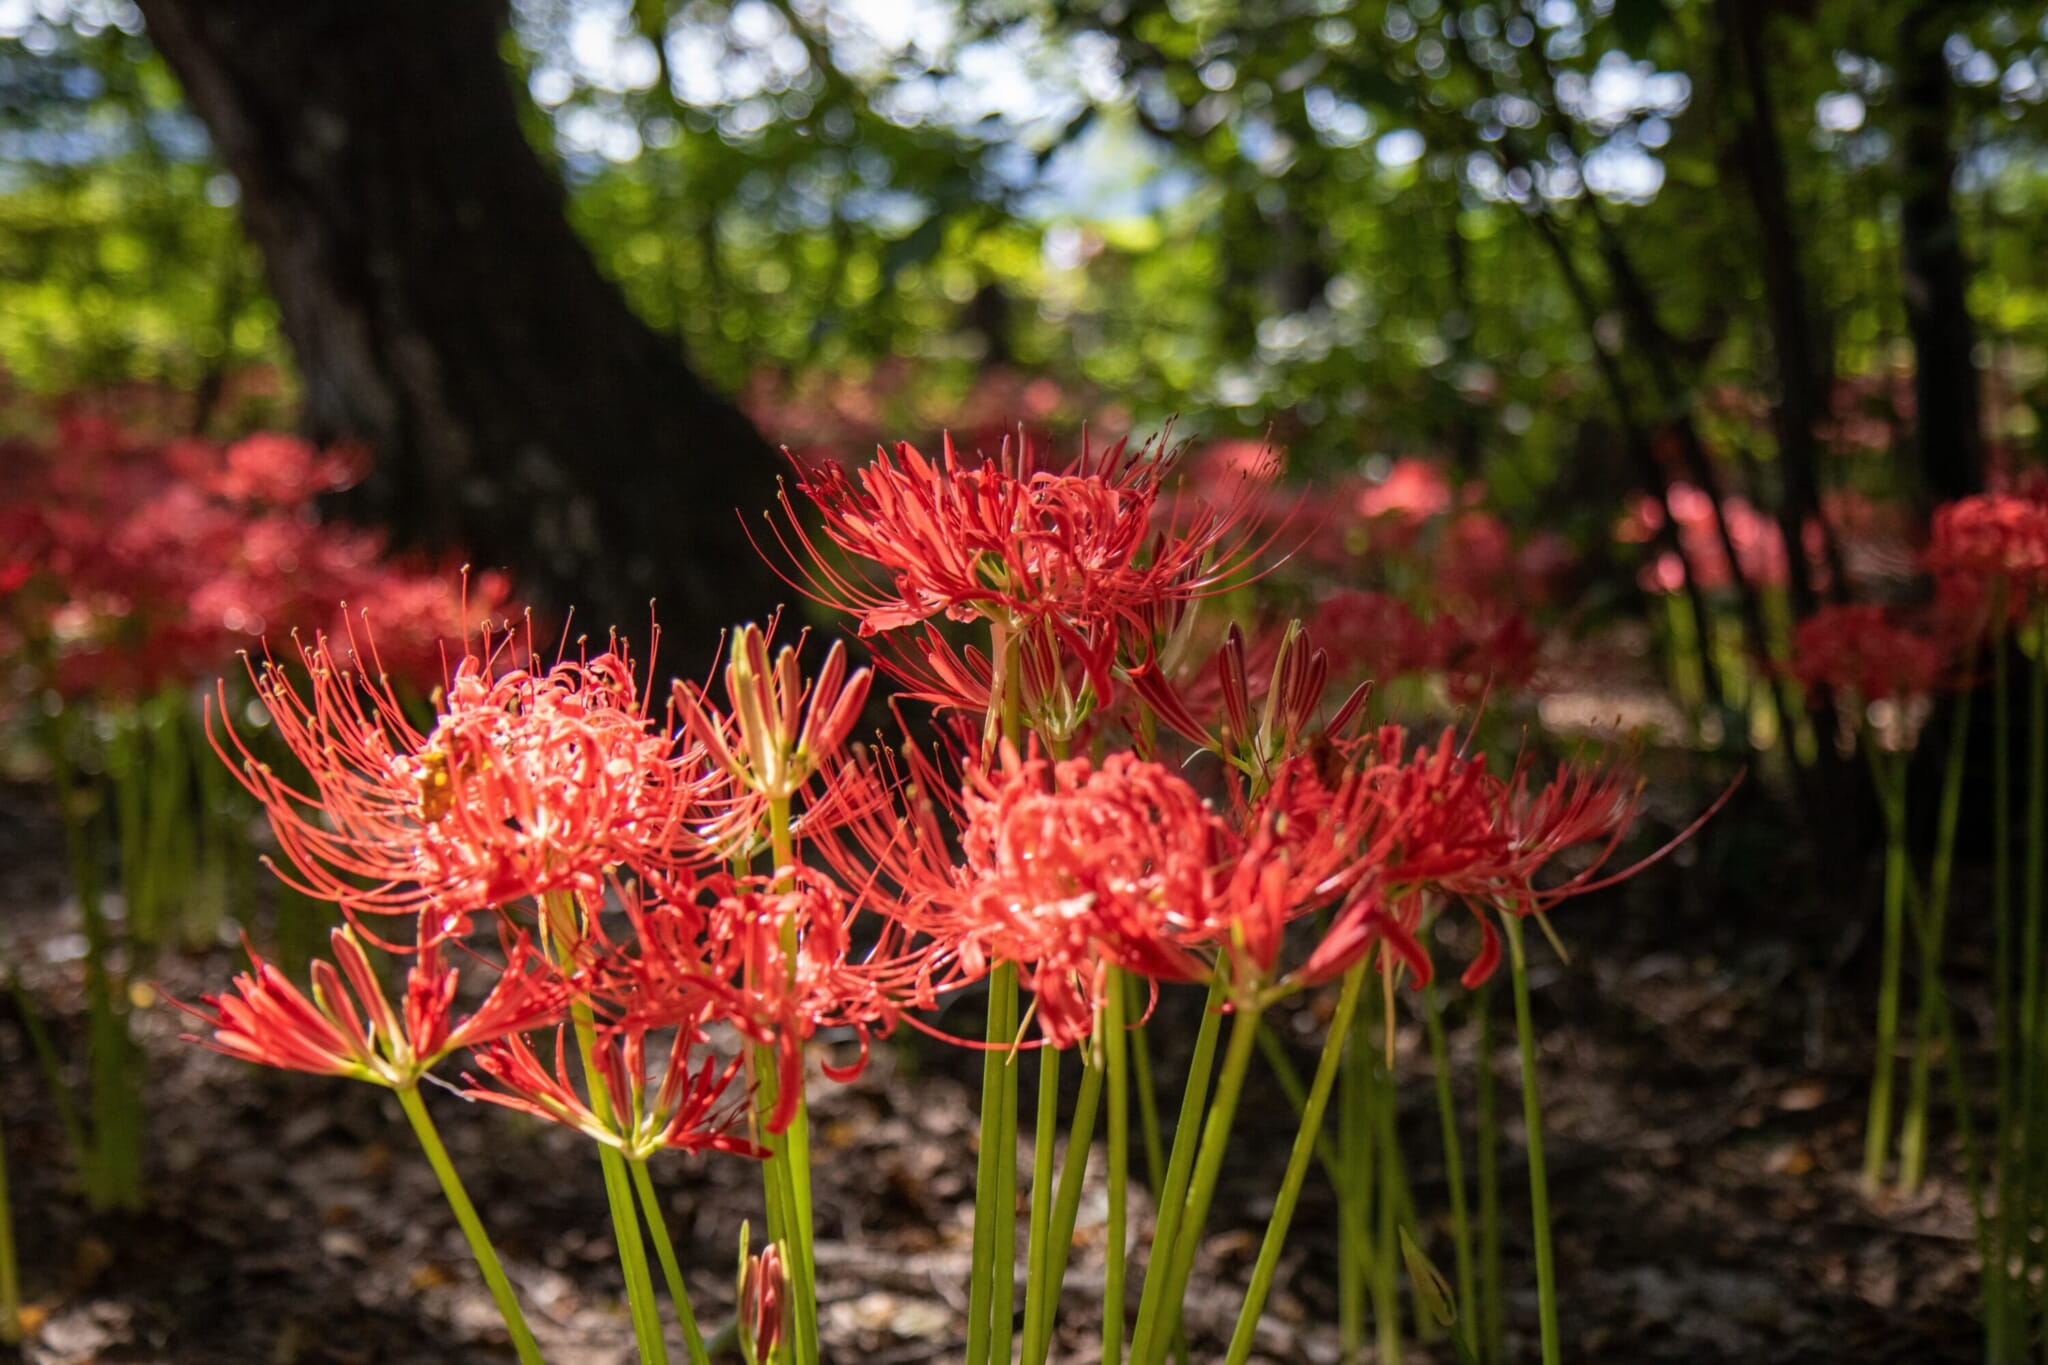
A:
[995,1247]
[629,1190]
[110,1153]
[1298,1158]
[1930,1012]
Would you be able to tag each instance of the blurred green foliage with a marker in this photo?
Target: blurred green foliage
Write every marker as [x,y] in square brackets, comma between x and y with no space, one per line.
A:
[1296,215]
[120,254]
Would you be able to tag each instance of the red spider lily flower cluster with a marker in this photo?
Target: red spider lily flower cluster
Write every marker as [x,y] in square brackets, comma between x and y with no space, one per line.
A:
[1069,869]
[531,782]
[542,794]
[719,884]
[1010,541]
[1861,649]
[1482,650]
[1991,544]
[133,562]
[777,960]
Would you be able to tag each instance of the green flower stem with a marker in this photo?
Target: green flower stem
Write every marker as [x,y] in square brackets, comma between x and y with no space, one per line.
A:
[1356,1188]
[1208,1165]
[1383,1265]
[1877,1125]
[1492,1347]
[1532,1117]
[1047,1132]
[792,1155]
[2032,1093]
[1002,994]
[1141,1081]
[618,1194]
[779,1197]
[1933,920]
[1454,1167]
[1298,1159]
[558,913]
[1327,1153]
[1060,1243]
[51,1064]
[10,1275]
[1148,1107]
[472,1226]
[665,1252]
[1942,1032]
[794,1152]
[1998,1286]
[775,1198]
[1003,1260]
[1186,1130]
[1116,1247]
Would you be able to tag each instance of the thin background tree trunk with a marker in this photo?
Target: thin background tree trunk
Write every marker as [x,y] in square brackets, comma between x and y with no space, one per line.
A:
[1937,273]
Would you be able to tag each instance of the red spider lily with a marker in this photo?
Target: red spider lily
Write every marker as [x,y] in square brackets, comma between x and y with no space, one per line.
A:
[150,562]
[1487,649]
[1009,541]
[762,1300]
[269,468]
[687,1110]
[1374,635]
[1438,830]
[1992,538]
[1065,674]
[781,730]
[1287,688]
[1070,869]
[1316,839]
[1860,649]
[1584,806]
[1413,492]
[347,1027]
[1481,648]
[526,784]
[778,963]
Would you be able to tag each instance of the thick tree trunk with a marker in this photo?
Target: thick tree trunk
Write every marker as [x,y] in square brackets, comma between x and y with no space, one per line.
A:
[442,311]
[1937,273]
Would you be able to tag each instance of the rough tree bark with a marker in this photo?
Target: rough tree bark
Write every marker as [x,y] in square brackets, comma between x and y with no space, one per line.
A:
[442,311]
[1937,273]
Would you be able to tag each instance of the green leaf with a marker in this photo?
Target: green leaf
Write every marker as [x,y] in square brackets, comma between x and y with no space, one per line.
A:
[1432,1290]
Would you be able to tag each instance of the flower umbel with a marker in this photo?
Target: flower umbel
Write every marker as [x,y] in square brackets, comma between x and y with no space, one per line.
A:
[347,1026]
[527,783]
[687,1110]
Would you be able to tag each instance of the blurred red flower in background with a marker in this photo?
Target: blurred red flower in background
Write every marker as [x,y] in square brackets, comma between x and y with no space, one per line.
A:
[1861,649]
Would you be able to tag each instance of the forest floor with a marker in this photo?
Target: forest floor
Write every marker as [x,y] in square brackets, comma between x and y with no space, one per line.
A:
[1705,1064]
